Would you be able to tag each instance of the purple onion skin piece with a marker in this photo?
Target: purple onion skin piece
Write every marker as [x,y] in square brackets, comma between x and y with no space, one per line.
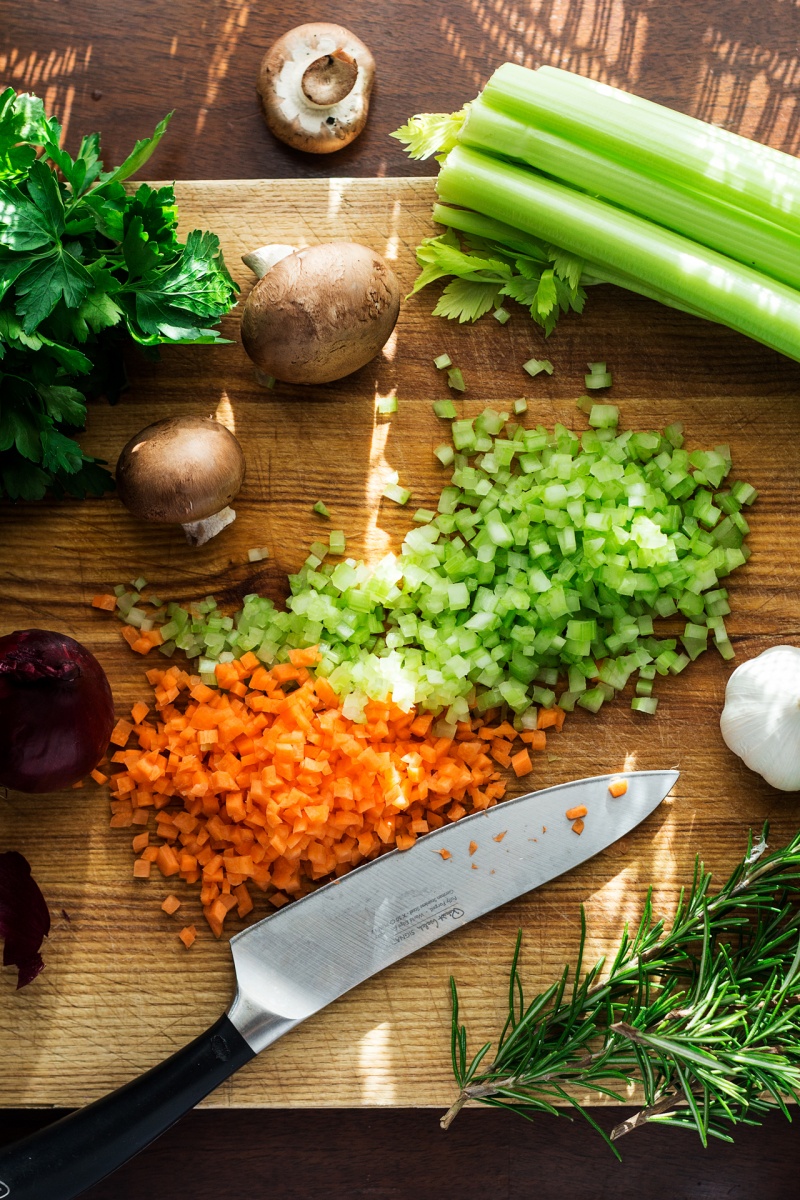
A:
[24,917]
[56,711]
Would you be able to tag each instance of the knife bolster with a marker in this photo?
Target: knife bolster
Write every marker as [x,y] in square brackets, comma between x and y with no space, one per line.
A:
[258,1026]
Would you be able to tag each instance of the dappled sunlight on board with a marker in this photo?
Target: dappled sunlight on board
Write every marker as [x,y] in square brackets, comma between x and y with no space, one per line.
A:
[391,248]
[336,191]
[375,1067]
[224,413]
[377,541]
[388,352]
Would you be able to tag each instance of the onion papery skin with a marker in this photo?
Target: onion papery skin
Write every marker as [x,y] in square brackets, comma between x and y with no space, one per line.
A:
[56,711]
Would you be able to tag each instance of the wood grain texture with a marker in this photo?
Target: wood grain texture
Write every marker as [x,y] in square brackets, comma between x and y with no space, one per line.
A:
[119,991]
[730,61]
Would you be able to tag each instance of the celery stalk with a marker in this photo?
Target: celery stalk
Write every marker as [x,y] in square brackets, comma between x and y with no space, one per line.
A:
[743,235]
[666,144]
[485,227]
[694,276]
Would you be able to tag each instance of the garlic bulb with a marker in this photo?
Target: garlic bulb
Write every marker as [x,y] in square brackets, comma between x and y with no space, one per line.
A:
[761,718]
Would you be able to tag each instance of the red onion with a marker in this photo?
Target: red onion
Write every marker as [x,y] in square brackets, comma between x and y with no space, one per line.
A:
[24,917]
[56,711]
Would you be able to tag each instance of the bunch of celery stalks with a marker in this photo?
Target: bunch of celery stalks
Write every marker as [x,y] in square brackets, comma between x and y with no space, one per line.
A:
[675,209]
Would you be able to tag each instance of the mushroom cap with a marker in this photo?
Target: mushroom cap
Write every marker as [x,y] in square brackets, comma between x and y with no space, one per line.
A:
[180,469]
[321,313]
[290,112]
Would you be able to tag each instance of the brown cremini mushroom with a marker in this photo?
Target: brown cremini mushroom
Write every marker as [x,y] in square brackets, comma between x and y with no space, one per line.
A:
[182,471]
[318,314]
[315,84]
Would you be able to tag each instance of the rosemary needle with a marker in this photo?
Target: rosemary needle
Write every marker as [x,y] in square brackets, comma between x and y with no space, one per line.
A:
[704,1017]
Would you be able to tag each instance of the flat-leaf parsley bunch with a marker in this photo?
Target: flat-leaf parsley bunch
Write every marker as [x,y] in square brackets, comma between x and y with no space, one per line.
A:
[82,260]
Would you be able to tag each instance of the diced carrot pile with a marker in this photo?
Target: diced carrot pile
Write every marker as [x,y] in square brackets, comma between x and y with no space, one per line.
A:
[264,782]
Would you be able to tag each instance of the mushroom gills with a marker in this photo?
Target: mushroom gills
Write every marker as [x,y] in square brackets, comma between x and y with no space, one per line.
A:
[315,83]
[329,79]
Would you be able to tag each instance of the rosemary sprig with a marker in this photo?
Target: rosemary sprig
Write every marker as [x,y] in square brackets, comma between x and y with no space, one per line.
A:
[704,1016]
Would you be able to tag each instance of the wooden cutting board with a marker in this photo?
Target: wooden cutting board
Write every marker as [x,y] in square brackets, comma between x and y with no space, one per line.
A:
[120,992]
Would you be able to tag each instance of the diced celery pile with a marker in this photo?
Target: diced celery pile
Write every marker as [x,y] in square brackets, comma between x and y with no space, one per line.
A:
[550,553]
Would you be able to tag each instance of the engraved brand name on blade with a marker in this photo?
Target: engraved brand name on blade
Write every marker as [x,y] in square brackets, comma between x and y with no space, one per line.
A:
[420,919]
[5,1190]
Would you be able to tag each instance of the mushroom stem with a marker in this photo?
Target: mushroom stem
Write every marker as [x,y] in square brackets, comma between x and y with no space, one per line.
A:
[265,257]
[200,532]
[327,80]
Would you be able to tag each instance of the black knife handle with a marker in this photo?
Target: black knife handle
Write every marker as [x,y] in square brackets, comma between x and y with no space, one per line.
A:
[69,1156]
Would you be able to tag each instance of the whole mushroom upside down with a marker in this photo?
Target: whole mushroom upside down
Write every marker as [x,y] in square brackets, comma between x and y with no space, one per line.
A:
[182,471]
[318,314]
[315,84]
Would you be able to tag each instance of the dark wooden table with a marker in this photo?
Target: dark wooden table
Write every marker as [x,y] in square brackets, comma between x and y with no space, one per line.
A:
[118,68]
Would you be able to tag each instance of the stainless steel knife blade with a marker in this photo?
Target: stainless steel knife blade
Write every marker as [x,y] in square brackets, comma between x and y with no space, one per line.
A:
[298,960]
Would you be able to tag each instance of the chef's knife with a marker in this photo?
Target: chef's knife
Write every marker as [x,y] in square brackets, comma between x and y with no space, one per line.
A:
[300,959]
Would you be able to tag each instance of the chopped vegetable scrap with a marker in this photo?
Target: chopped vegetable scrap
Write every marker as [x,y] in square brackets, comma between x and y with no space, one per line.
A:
[266,780]
[572,814]
[455,380]
[535,366]
[578,826]
[619,787]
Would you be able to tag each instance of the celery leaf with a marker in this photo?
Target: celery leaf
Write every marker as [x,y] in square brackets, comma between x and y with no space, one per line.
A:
[427,134]
[466,300]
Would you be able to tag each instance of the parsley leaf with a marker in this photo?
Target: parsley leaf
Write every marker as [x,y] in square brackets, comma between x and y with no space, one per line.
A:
[23,126]
[64,404]
[47,279]
[140,154]
[167,301]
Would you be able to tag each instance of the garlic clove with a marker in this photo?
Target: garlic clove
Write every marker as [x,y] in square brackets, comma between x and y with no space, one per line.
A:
[761,718]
